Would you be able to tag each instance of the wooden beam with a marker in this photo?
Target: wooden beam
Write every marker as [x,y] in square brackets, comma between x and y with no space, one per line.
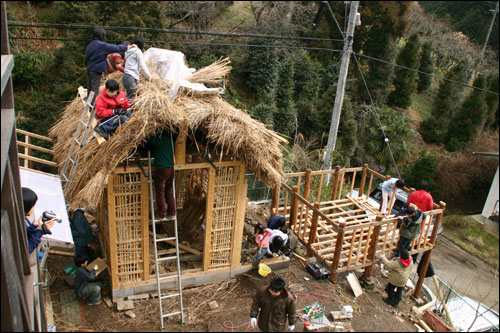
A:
[239,219]
[294,208]
[363,181]
[335,183]
[38,160]
[113,258]
[336,257]
[145,224]
[33,135]
[314,228]
[207,248]
[180,146]
[372,249]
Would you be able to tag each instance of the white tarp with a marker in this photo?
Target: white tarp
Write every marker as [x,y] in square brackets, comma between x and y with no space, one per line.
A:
[171,67]
[49,190]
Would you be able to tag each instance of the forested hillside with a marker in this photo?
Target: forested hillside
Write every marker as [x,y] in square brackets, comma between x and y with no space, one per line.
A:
[433,118]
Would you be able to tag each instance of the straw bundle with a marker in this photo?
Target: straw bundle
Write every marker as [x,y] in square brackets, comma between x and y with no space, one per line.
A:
[231,131]
[211,74]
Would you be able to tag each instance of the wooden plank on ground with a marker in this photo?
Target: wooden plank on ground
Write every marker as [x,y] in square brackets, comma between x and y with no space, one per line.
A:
[354,283]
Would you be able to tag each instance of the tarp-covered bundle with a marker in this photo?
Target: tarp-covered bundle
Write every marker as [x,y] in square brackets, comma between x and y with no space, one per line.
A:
[230,130]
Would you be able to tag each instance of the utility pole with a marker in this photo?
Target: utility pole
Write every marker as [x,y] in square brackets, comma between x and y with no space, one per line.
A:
[485,42]
[339,96]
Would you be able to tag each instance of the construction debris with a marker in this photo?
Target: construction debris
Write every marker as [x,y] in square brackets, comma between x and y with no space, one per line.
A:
[124,305]
[354,283]
[130,314]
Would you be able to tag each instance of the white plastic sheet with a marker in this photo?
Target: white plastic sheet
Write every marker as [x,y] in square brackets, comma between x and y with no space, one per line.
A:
[171,67]
[50,194]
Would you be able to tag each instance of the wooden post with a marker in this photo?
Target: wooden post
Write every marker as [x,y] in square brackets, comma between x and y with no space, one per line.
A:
[314,228]
[363,181]
[338,251]
[427,259]
[145,224]
[294,208]
[113,257]
[180,147]
[307,184]
[372,249]
[275,203]
[335,183]
[239,219]
[27,151]
[207,248]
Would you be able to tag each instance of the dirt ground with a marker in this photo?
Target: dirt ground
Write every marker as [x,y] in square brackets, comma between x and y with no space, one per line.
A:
[466,273]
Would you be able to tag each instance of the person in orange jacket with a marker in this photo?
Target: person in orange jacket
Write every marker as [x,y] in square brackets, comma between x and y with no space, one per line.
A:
[112,109]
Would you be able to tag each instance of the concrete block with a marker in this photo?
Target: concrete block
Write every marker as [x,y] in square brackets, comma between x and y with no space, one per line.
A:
[124,305]
[130,314]
[213,305]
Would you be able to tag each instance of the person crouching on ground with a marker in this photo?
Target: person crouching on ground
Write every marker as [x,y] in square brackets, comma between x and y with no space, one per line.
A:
[399,272]
[273,304]
[111,109]
[83,288]
[262,239]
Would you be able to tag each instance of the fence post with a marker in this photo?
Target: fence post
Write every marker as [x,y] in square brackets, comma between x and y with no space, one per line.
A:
[338,250]
[314,228]
[372,249]
[335,183]
[427,258]
[275,202]
[363,181]
[294,208]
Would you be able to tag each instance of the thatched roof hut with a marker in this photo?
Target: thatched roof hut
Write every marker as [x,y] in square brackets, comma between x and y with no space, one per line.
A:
[228,130]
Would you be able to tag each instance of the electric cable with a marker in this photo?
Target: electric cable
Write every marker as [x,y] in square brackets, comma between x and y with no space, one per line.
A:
[336,22]
[420,72]
[153,30]
[386,140]
[188,43]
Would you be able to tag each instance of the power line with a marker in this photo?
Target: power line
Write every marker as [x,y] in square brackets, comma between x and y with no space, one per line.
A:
[153,30]
[188,43]
[386,140]
[420,72]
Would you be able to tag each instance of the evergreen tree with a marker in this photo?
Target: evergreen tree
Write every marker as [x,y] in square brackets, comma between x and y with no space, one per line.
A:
[348,130]
[262,69]
[435,128]
[466,122]
[424,168]
[426,65]
[491,121]
[405,81]
[285,118]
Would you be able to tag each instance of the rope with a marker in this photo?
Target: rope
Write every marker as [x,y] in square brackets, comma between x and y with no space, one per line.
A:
[386,139]
[232,327]
[318,295]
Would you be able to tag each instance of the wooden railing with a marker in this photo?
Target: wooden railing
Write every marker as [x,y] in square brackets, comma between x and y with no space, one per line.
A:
[27,159]
[344,231]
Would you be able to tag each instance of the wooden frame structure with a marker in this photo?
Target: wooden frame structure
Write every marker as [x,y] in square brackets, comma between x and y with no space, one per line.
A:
[343,230]
[124,218]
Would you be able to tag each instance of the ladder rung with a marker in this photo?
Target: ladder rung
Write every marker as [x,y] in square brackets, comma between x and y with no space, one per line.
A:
[170,296]
[171,314]
[167,258]
[165,239]
[167,277]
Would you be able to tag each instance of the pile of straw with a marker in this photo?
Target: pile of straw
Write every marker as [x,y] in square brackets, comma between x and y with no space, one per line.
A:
[230,130]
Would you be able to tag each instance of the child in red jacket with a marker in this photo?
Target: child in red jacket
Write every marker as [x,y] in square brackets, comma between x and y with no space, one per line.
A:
[111,109]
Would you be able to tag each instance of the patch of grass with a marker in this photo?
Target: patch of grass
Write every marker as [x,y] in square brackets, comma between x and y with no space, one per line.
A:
[422,103]
[472,237]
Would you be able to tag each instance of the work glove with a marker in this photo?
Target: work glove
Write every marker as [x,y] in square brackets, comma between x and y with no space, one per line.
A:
[96,267]
[123,112]
[253,322]
[291,327]
[116,112]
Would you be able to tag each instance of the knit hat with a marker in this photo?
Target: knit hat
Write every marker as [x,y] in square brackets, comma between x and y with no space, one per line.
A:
[404,258]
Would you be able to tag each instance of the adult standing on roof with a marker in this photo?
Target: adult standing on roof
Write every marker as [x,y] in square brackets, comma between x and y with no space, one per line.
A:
[96,53]
[134,62]
[273,305]
[421,198]
[387,187]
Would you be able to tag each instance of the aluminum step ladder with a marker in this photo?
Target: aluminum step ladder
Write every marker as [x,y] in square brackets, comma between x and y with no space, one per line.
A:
[74,158]
[158,259]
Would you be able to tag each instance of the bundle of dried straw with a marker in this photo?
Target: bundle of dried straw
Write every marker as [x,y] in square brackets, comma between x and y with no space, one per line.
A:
[231,130]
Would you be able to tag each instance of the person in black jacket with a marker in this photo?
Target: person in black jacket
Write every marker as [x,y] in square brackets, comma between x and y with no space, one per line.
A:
[83,287]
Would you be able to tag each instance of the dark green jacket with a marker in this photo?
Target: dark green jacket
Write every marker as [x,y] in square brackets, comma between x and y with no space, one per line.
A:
[410,228]
[163,150]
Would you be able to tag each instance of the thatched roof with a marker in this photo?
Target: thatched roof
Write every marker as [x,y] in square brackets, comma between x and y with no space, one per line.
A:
[231,130]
